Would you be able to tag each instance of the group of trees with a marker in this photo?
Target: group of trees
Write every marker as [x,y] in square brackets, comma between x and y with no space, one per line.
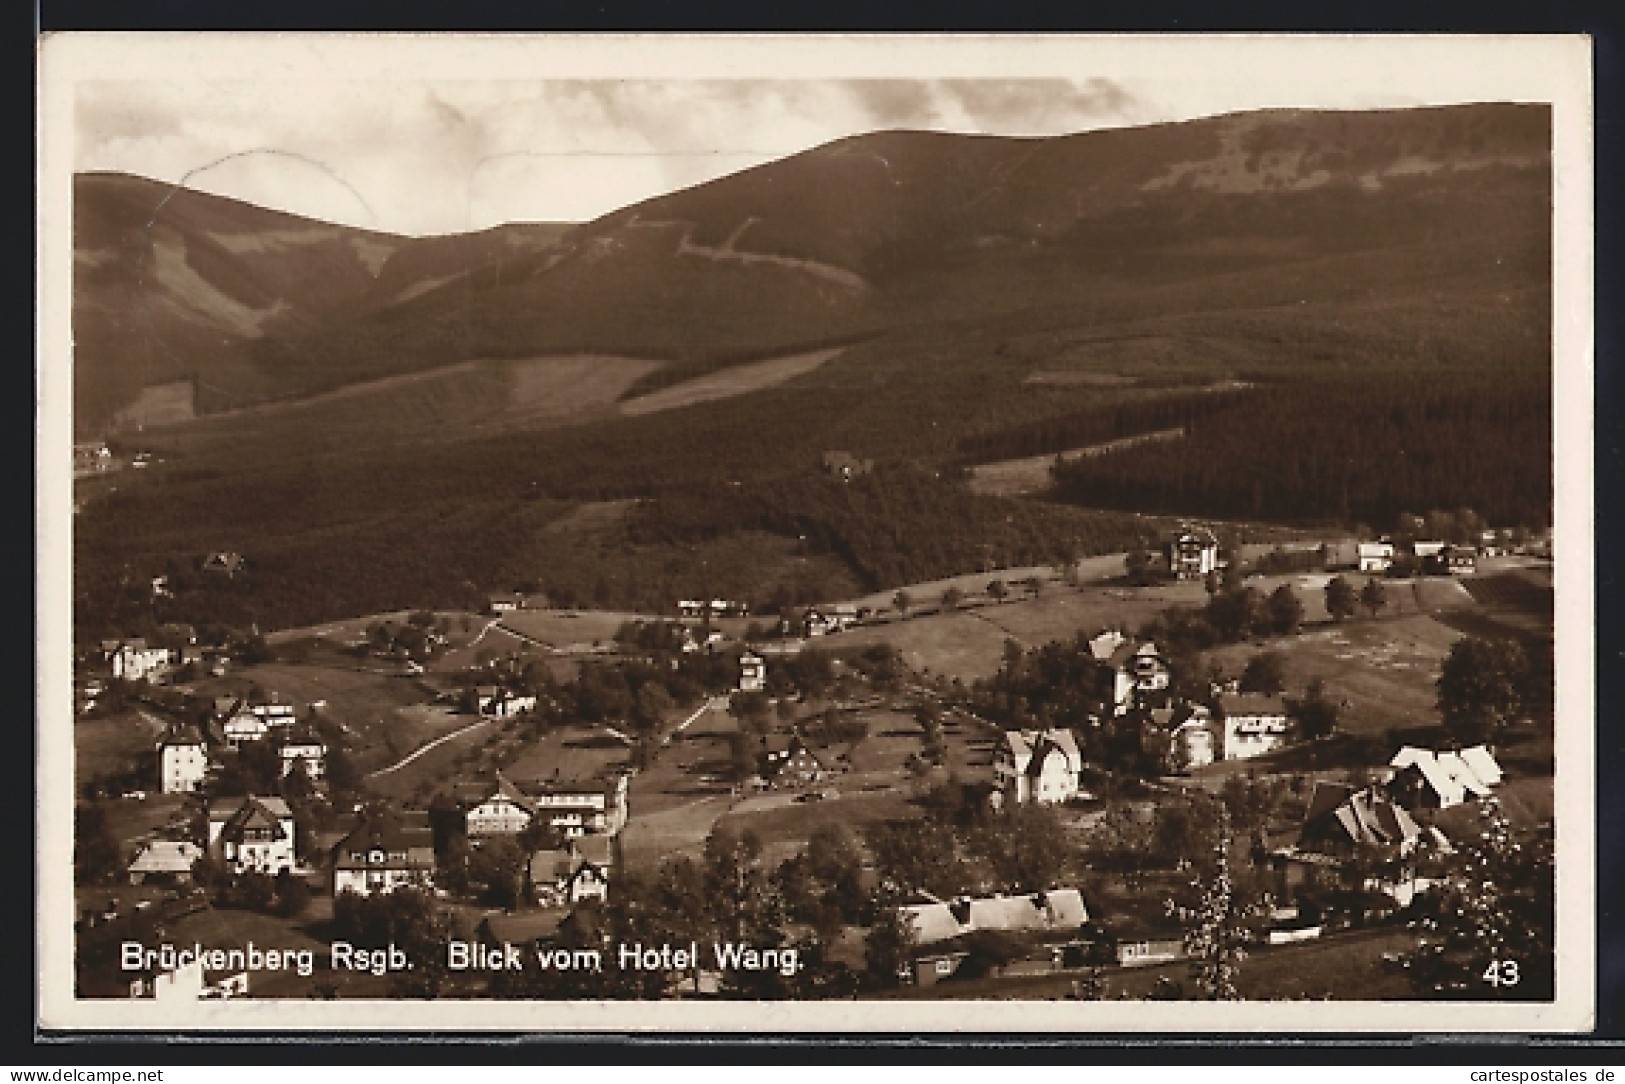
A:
[1402,441]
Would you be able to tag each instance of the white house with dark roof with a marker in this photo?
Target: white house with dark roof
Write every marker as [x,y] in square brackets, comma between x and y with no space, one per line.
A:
[1137,668]
[1037,766]
[1375,556]
[381,856]
[303,753]
[578,871]
[135,660]
[253,834]
[183,761]
[1192,553]
[1254,724]
[752,673]
[1181,736]
[1340,818]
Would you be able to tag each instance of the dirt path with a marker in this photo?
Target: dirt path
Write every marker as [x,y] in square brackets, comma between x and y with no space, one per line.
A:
[420,750]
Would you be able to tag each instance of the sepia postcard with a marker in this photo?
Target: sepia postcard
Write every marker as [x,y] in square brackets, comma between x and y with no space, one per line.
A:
[1071,534]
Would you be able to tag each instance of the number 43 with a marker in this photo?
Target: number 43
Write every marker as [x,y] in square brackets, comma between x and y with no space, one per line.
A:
[1502,973]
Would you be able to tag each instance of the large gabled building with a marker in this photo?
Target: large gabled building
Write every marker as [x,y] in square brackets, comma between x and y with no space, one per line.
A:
[253,834]
[383,855]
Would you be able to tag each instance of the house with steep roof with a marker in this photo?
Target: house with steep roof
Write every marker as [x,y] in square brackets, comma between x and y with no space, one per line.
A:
[1138,672]
[1253,724]
[578,871]
[164,860]
[504,811]
[790,762]
[253,834]
[1424,779]
[183,761]
[1341,818]
[383,855]
[1191,553]
[1180,736]
[1037,766]
[224,562]
[501,702]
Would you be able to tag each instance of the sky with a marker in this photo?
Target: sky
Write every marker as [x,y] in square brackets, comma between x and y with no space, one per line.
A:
[433,153]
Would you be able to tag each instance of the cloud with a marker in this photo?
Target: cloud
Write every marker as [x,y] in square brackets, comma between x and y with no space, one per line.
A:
[422,156]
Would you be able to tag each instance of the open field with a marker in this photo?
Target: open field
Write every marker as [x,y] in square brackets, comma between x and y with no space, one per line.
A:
[1385,668]
[111,744]
[1015,477]
[729,382]
[795,822]
[969,643]
[568,753]
[569,628]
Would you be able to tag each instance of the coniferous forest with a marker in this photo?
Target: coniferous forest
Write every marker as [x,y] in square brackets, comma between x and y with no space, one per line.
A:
[1344,450]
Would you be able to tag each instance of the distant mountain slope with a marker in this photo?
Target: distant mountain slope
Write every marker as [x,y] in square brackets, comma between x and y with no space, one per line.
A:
[172,284]
[1436,220]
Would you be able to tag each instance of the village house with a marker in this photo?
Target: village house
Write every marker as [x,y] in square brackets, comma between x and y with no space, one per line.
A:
[1426,549]
[1192,553]
[1376,556]
[501,703]
[846,466]
[1254,724]
[1138,673]
[506,602]
[574,808]
[1423,779]
[503,811]
[790,762]
[380,856]
[1147,946]
[752,673]
[708,641]
[1180,737]
[1341,819]
[578,871]
[224,563]
[253,834]
[828,620]
[712,609]
[135,660]
[243,726]
[1037,766]
[934,920]
[307,754]
[275,714]
[164,861]
[183,761]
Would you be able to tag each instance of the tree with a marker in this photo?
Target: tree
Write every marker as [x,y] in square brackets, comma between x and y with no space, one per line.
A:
[499,865]
[1137,566]
[292,894]
[952,597]
[1489,933]
[1285,612]
[1234,612]
[1478,687]
[1341,599]
[1264,673]
[751,709]
[889,947]
[902,601]
[1315,716]
[1215,930]
[1373,596]
[996,590]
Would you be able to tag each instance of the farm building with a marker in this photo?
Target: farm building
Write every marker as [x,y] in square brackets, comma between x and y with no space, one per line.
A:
[933,920]
[752,673]
[167,861]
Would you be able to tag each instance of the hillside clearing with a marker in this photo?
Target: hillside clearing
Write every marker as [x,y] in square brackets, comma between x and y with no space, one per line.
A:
[735,380]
